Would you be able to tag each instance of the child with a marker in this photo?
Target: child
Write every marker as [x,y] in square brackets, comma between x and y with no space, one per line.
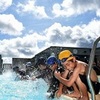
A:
[52,63]
[42,70]
[78,76]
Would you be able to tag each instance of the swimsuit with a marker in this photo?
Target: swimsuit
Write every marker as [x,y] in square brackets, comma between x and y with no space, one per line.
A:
[96,85]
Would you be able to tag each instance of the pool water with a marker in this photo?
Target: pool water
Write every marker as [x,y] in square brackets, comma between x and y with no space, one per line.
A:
[21,90]
[11,89]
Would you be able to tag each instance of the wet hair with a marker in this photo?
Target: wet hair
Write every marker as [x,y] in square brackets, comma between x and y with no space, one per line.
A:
[41,61]
[22,73]
[16,68]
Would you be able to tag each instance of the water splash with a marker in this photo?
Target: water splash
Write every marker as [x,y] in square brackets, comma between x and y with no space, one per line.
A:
[21,90]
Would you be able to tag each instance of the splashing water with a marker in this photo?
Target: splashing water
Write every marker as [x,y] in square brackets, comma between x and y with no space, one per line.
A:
[21,90]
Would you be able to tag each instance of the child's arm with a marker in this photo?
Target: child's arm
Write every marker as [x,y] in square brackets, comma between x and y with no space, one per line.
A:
[59,92]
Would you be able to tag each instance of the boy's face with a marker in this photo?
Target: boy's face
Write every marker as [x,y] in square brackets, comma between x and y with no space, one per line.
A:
[69,65]
[42,67]
[53,67]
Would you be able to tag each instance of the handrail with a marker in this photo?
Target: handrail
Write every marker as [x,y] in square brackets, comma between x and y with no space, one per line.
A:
[92,54]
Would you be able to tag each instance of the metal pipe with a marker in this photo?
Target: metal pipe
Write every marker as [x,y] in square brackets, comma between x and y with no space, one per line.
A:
[92,54]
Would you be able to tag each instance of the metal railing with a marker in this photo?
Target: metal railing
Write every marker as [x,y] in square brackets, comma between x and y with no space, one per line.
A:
[92,54]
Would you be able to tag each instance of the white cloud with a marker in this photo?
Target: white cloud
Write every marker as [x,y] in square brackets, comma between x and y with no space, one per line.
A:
[77,36]
[75,7]
[10,25]
[55,35]
[25,47]
[98,12]
[59,35]
[92,29]
[31,8]
[4,4]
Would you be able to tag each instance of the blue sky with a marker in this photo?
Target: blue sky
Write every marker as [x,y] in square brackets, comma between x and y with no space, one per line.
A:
[29,26]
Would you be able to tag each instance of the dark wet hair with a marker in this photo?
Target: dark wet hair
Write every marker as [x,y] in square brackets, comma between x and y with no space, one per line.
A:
[16,68]
[41,61]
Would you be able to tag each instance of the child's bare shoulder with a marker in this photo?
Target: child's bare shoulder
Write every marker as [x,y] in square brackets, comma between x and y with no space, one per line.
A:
[81,63]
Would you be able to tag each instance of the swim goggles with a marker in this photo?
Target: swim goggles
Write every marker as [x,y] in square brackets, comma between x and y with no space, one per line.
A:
[64,59]
[50,65]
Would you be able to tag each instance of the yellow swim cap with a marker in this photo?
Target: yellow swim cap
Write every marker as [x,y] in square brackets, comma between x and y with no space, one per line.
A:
[65,54]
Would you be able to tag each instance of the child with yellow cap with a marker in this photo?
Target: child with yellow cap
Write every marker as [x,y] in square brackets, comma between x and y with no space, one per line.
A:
[78,76]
